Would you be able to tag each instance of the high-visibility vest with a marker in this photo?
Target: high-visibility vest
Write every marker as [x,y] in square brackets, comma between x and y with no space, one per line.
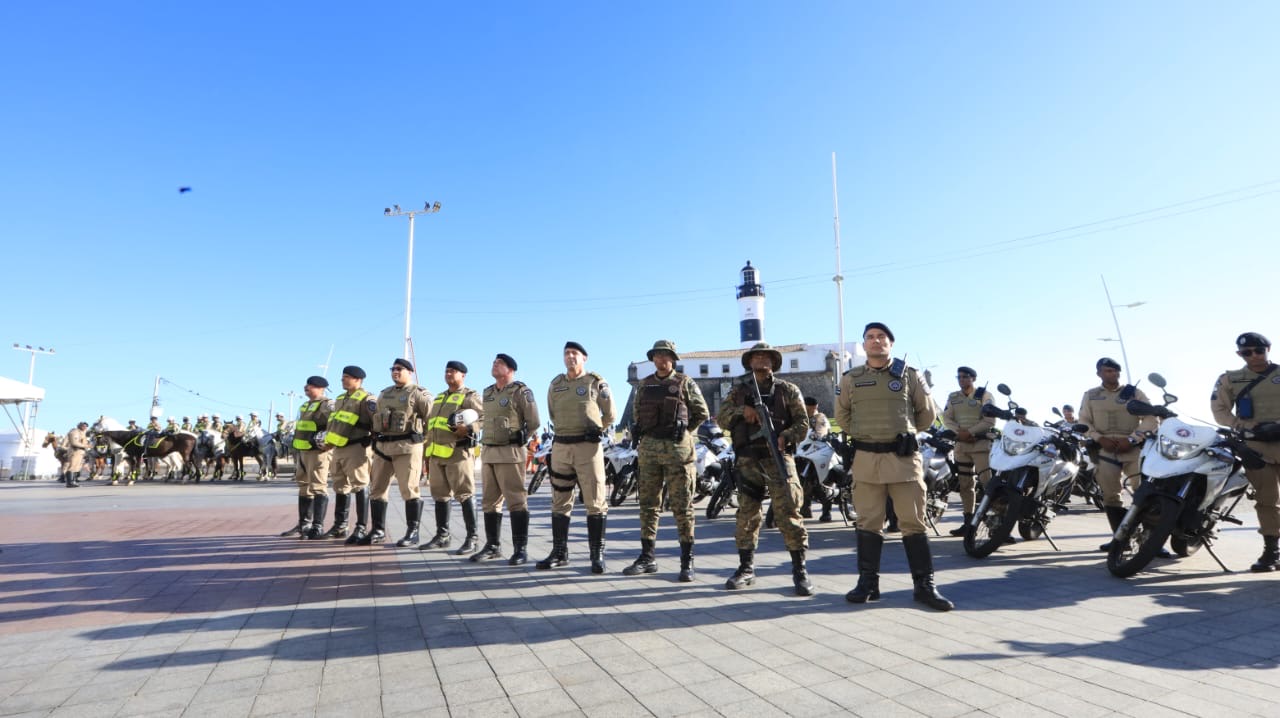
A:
[440,420]
[306,428]
[342,423]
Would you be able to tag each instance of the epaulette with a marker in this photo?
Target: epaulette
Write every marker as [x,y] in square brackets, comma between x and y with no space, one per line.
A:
[597,377]
[560,379]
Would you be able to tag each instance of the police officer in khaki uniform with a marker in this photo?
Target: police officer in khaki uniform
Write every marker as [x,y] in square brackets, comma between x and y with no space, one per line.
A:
[667,405]
[77,443]
[580,406]
[1249,398]
[348,435]
[510,418]
[398,427]
[1118,435]
[758,469]
[312,475]
[963,415]
[450,462]
[882,405]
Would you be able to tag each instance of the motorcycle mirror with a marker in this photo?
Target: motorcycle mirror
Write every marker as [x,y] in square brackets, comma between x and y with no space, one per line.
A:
[1056,412]
[1156,379]
[1004,389]
[1169,398]
[1080,428]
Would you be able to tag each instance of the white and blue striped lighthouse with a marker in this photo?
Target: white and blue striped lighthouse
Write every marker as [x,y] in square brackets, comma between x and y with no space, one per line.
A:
[750,307]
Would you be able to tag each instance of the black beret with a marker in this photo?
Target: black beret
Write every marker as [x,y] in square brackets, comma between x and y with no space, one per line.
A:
[456,366]
[967,370]
[1107,362]
[353,371]
[877,325]
[810,401]
[403,363]
[575,345]
[318,381]
[1252,339]
[506,359]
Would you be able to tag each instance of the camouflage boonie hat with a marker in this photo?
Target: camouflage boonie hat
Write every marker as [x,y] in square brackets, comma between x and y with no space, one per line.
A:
[663,345]
[762,347]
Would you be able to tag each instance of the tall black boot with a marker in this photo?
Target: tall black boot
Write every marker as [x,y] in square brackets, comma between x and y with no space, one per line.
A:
[686,562]
[799,574]
[921,563]
[1115,515]
[318,505]
[519,537]
[378,523]
[413,517]
[870,545]
[559,555]
[595,539]
[645,562]
[1270,558]
[73,479]
[746,573]
[890,516]
[361,499]
[493,536]
[341,510]
[304,518]
[968,518]
[442,537]
[469,522]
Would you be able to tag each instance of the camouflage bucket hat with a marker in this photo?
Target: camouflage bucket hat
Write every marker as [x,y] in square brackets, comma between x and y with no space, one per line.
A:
[762,347]
[663,345]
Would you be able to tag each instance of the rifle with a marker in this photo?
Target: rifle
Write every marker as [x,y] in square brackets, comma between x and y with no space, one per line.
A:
[766,424]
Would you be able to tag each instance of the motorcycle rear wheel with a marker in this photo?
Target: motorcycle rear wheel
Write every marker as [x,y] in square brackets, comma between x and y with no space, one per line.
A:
[991,527]
[622,486]
[1131,551]
[720,497]
[535,481]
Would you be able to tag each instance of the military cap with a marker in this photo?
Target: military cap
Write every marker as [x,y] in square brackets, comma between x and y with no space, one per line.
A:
[663,345]
[967,370]
[316,381]
[810,401]
[575,345]
[878,325]
[1252,339]
[456,366]
[1107,362]
[506,359]
[403,363]
[762,348]
[353,371]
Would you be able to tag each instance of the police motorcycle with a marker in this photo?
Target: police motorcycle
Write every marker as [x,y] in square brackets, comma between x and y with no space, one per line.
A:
[542,459]
[724,492]
[621,469]
[941,477]
[821,467]
[711,443]
[1086,486]
[1032,468]
[1192,478]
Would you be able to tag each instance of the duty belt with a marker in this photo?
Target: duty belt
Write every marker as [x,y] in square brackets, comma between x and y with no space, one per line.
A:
[668,432]
[876,447]
[396,437]
[580,439]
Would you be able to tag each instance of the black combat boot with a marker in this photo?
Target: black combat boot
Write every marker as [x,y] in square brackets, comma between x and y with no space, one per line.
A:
[519,537]
[378,523]
[870,545]
[799,574]
[686,562]
[304,519]
[361,499]
[442,538]
[341,511]
[318,505]
[746,573]
[493,536]
[645,562]
[963,527]
[1115,515]
[73,481]
[595,539]
[825,518]
[921,563]
[469,522]
[1270,558]
[559,555]
[891,517]
[413,517]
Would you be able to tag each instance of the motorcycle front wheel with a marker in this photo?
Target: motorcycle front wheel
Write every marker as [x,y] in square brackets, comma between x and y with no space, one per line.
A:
[535,481]
[622,486]
[1132,549]
[720,497]
[991,527]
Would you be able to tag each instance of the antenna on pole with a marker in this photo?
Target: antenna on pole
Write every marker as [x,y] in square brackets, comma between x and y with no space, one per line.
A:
[839,278]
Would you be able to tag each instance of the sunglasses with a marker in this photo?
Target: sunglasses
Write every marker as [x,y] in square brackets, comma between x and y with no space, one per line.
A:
[1251,352]
[397,368]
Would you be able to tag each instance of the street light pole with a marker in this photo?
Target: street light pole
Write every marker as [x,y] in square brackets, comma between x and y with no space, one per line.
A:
[1116,322]
[27,443]
[427,208]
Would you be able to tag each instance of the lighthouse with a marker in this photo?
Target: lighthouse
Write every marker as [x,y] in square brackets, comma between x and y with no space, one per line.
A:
[750,307]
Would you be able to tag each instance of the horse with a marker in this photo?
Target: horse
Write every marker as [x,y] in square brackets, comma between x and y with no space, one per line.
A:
[104,452]
[240,448]
[59,446]
[136,448]
[211,453]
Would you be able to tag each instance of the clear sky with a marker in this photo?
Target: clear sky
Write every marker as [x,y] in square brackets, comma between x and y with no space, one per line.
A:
[605,169]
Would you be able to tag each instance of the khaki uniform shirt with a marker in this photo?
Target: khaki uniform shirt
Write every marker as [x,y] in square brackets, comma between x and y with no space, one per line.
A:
[874,406]
[1266,405]
[576,405]
[402,409]
[506,412]
[1105,414]
[77,440]
[964,411]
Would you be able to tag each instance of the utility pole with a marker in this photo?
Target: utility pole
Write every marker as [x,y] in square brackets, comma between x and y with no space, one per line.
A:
[1128,373]
[28,410]
[839,278]
[291,394]
[395,211]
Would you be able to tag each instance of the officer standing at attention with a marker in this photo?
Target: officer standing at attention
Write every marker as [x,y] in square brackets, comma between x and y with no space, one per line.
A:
[312,474]
[348,434]
[757,468]
[882,405]
[667,405]
[77,444]
[398,437]
[581,408]
[1119,437]
[963,415]
[510,417]
[450,462]
[1249,398]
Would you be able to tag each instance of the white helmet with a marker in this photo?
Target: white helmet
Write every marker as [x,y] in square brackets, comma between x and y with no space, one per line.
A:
[464,417]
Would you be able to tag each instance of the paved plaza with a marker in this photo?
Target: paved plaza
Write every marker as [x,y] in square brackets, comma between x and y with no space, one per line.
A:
[173,600]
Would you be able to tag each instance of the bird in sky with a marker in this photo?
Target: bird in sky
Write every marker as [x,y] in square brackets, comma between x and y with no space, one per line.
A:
[183,190]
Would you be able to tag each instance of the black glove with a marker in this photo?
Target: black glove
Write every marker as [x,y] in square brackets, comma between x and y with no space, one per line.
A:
[1267,431]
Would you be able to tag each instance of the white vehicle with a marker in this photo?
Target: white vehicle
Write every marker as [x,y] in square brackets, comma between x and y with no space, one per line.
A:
[621,469]
[820,467]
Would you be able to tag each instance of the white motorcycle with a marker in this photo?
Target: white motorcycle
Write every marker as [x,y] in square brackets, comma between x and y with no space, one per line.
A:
[1192,478]
[711,445]
[621,469]
[820,466]
[1033,468]
[541,460]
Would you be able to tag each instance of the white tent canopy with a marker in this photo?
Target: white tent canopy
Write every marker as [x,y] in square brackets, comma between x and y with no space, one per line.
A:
[13,391]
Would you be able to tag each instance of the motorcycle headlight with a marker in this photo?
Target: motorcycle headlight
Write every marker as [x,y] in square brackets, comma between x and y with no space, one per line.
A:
[1175,450]
[1012,447]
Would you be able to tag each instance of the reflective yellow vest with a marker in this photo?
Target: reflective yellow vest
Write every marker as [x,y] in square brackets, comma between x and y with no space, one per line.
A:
[440,420]
[306,428]
[342,423]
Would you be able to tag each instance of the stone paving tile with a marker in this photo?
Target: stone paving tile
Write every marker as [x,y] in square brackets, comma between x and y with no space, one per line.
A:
[547,702]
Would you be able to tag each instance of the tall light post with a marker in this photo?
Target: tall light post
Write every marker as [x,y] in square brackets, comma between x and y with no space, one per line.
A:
[291,394]
[395,211]
[1119,337]
[27,414]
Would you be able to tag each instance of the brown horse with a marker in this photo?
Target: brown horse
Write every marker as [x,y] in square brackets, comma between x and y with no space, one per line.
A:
[59,451]
[136,449]
[239,448]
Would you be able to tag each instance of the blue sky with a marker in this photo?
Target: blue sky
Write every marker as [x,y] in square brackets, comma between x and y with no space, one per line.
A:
[605,170]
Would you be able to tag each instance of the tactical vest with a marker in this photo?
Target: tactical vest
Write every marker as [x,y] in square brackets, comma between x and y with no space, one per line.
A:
[1265,395]
[344,421]
[440,434]
[573,404]
[502,423]
[881,404]
[396,414]
[660,404]
[1108,413]
[967,410]
[311,420]
[745,437]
